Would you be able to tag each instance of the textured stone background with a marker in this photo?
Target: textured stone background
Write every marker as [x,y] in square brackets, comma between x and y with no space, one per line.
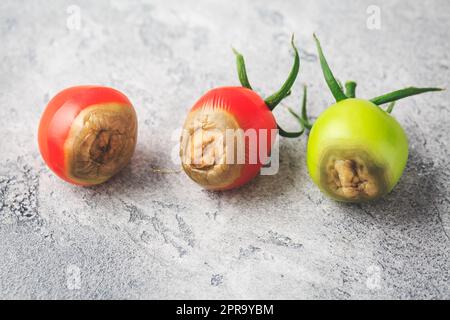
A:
[149,235]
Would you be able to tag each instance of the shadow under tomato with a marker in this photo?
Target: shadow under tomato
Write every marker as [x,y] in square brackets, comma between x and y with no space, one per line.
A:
[141,174]
[274,187]
[418,200]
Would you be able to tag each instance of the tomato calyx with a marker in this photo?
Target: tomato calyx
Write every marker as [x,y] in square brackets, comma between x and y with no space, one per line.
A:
[303,116]
[400,94]
[273,100]
[338,92]
[350,88]
[242,71]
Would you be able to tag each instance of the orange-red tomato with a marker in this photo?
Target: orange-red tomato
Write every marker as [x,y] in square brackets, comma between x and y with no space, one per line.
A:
[228,134]
[221,109]
[87,134]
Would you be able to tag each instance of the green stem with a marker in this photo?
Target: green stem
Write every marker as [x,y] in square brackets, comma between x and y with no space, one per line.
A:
[390,107]
[300,119]
[276,98]
[350,88]
[242,71]
[340,84]
[287,134]
[400,94]
[305,95]
[332,83]
[303,118]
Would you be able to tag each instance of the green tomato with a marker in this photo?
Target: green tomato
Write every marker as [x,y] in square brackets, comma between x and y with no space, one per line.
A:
[356,151]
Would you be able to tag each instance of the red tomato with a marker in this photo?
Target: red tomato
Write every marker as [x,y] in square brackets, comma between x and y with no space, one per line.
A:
[220,109]
[87,134]
[229,132]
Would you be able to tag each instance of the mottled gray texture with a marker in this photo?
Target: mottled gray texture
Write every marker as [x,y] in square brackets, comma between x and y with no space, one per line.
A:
[151,235]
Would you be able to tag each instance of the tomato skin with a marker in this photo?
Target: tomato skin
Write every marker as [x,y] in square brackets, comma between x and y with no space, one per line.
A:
[250,111]
[357,127]
[58,117]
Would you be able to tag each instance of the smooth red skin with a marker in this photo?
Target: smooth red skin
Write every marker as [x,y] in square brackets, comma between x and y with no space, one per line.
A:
[250,111]
[58,117]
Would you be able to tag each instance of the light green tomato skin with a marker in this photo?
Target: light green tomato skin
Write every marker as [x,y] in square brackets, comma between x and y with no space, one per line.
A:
[358,125]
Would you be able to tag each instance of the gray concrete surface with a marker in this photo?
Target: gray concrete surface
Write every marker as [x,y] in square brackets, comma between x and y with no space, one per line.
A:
[149,235]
